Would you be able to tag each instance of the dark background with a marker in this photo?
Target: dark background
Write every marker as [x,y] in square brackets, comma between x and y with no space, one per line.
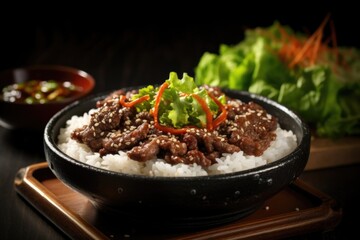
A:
[138,44]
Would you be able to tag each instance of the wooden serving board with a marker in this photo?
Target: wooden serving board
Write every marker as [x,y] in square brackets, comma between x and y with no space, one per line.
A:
[297,210]
[326,152]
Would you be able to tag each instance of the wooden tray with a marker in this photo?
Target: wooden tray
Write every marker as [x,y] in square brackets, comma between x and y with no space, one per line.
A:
[297,210]
[325,152]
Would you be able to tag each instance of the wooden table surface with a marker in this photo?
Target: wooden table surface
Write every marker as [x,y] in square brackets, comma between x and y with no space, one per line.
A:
[119,54]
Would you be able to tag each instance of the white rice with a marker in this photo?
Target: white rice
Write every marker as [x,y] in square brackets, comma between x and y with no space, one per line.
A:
[284,143]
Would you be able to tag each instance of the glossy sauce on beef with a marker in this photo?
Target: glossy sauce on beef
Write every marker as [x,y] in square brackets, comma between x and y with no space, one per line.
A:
[248,128]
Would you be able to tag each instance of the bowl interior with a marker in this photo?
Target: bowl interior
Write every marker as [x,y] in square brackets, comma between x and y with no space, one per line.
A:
[179,201]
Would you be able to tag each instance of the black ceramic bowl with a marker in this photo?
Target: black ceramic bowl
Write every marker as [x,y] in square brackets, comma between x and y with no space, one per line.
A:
[180,201]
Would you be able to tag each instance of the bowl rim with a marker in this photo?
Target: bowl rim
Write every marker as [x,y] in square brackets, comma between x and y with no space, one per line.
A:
[56,67]
[51,144]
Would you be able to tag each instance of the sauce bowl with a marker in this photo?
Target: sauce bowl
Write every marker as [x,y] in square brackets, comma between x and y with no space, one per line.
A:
[34,116]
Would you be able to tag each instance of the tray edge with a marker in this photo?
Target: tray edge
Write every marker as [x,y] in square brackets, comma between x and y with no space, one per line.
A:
[38,196]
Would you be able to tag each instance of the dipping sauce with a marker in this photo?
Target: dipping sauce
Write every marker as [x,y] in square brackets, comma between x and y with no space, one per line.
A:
[39,91]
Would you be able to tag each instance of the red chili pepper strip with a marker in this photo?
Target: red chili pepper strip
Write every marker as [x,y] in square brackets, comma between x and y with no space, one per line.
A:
[205,107]
[223,115]
[157,102]
[171,130]
[134,102]
[221,118]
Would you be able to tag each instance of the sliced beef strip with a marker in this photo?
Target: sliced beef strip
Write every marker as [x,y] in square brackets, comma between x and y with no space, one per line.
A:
[192,156]
[124,141]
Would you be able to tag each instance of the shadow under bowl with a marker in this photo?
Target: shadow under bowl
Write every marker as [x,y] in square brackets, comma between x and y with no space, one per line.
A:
[180,202]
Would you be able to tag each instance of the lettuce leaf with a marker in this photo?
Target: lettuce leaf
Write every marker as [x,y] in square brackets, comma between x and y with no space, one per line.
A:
[325,94]
[178,108]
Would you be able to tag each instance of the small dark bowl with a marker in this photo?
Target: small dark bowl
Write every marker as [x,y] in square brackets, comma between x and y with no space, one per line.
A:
[180,202]
[14,115]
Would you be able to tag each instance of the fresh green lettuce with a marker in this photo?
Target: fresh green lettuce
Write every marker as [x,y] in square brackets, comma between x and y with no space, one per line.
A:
[325,94]
[178,108]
